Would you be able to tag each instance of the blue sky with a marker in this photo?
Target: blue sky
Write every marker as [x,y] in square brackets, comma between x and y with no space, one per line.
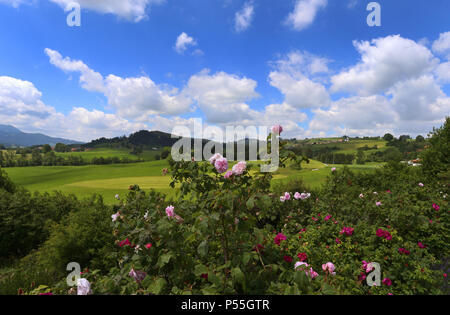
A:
[314,66]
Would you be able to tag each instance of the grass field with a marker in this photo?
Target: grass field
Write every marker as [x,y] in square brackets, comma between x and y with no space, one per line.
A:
[109,180]
[147,155]
[107,153]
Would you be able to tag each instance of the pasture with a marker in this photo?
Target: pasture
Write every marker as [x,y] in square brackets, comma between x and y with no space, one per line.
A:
[109,180]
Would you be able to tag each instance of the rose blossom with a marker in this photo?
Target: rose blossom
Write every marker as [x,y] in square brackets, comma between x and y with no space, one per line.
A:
[239,168]
[302,256]
[228,174]
[299,263]
[221,165]
[387,281]
[347,231]
[170,211]
[277,130]
[83,287]
[280,237]
[329,267]
[138,276]
[436,207]
[421,245]
[115,216]
[287,196]
[215,157]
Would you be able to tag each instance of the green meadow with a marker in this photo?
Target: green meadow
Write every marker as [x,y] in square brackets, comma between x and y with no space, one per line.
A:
[109,180]
[109,153]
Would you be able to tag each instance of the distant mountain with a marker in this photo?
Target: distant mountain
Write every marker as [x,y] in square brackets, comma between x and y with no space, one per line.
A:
[11,136]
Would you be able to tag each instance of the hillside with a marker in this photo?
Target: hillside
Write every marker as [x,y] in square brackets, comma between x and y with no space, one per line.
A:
[11,136]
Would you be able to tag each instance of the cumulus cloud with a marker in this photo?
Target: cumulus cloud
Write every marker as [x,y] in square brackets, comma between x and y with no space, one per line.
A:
[419,99]
[302,93]
[359,115]
[442,44]
[22,107]
[384,62]
[133,10]
[183,42]
[304,13]
[222,96]
[133,98]
[243,18]
[297,75]
[443,72]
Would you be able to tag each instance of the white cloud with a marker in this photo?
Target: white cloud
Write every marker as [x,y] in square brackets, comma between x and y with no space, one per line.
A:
[244,17]
[21,104]
[134,10]
[16,3]
[443,72]
[371,115]
[183,42]
[298,63]
[302,93]
[304,13]
[140,97]
[95,124]
[222,96]
[442,44]
[296,76]
[133,98]
[419,99]
[22,107]
[384,62]
[89,79]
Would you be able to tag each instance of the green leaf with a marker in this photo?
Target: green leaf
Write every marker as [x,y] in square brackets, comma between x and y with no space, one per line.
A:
[246,258]
[237,275]
[157,286]
[250,203]
[200,269]
[163,259]
[203,249]
[328,290]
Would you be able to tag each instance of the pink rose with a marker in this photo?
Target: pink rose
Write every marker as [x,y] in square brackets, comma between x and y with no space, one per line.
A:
[228,174]
[280,237]
[170,211]
[239,168]
[215,157]
[297,195]
[387,281]
[277,130]
[221,165]
[287,196]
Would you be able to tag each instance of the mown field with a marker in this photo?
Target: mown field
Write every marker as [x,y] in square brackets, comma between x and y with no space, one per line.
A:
[109,180]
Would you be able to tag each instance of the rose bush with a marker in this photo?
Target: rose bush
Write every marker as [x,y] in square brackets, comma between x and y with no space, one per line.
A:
[228,233]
